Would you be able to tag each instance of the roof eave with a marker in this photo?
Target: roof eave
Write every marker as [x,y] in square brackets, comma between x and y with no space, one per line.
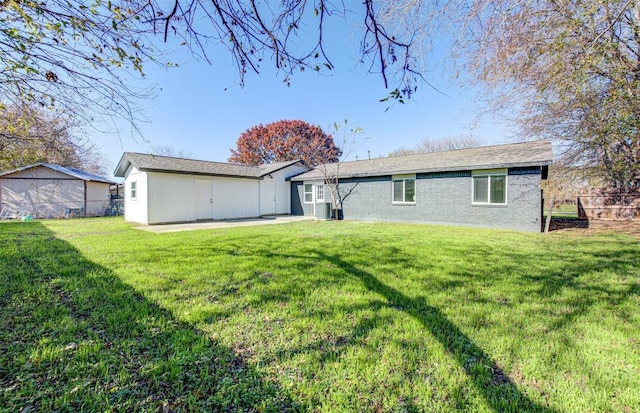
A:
[173,171]
[123,165]
[431,170]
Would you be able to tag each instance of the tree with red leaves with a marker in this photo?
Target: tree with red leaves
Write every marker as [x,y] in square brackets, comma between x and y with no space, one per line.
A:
[285,140]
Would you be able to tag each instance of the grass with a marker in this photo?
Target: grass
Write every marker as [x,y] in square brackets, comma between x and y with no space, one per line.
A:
[565,211]
[317,316]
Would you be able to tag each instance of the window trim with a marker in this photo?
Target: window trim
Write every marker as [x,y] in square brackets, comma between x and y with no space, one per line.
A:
[403,179]
[304,193]
[489,173]
[133,190]
[319,190]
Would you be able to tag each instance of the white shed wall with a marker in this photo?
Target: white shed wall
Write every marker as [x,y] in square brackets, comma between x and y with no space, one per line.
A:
[98,198]
[170,197]
[46,193]
[275,191]
[135,210]
[174,198]
[41,198]
[236,198]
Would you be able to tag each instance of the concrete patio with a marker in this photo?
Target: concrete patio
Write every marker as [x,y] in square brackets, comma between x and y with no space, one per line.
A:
[229,223]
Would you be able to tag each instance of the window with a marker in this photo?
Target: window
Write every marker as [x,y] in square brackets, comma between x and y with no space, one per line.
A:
[490,187]
[308,193]
[404,190]
[132,190]
[320,193]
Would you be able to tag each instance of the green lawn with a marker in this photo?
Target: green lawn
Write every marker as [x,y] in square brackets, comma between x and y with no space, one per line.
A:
[317,316]
[565,211]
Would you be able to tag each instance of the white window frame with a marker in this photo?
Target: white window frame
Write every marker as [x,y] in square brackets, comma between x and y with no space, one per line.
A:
[319,193]
[403,179]
[489,173]
[133,190]
[304,193]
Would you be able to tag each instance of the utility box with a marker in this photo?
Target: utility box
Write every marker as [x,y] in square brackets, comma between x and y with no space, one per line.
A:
[323,211]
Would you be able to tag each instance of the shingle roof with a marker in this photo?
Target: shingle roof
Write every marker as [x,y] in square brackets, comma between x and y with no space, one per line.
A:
[75,172]
[536,153]
[146,162]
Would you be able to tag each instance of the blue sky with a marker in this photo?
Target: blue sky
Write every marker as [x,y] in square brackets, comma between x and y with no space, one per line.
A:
[201,109]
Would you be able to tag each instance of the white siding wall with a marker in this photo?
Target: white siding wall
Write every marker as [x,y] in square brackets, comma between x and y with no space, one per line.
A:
[45,193]
[275,192]
[236,198]
[166,197]
[171,198]
[135,210]
[98,198]
[41,198]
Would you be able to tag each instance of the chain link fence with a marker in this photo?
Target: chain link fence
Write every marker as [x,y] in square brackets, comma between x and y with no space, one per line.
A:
[39,209]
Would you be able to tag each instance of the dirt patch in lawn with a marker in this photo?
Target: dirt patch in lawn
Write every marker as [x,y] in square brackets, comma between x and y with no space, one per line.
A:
[631,227]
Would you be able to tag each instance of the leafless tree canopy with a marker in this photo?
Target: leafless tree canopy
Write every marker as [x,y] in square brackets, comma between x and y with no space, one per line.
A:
[71,55]
[30,134]
[563,69]
[572,72]
[168,150]
[438,145]
[567,70]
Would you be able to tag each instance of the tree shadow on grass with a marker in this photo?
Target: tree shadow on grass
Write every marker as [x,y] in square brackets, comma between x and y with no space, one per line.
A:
[588,276]
[499,392]
[74,337]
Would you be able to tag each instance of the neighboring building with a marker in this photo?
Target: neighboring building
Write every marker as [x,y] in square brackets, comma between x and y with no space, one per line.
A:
[494,186]
[50,191]
[162,189]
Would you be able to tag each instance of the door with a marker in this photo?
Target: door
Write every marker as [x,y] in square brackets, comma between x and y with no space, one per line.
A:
[204,199]
[268,197]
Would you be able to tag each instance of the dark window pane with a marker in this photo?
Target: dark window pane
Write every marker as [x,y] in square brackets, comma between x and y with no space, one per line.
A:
[498,193]
[409,190]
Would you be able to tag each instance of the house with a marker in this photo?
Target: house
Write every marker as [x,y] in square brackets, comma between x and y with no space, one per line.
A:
[162,189]
[494,186]
[45,190]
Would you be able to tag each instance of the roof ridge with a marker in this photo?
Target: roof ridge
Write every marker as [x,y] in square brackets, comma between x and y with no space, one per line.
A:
[67,170]
[447,151]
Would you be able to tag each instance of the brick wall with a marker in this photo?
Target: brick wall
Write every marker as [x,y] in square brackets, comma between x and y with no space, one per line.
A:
[446,199]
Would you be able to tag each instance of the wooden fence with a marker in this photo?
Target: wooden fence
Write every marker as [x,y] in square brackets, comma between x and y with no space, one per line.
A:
[609,204]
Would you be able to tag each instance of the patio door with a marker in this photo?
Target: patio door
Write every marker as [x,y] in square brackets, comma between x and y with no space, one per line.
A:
[204,199]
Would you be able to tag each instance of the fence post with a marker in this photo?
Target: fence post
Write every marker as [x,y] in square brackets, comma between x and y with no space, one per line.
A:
[549,214]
